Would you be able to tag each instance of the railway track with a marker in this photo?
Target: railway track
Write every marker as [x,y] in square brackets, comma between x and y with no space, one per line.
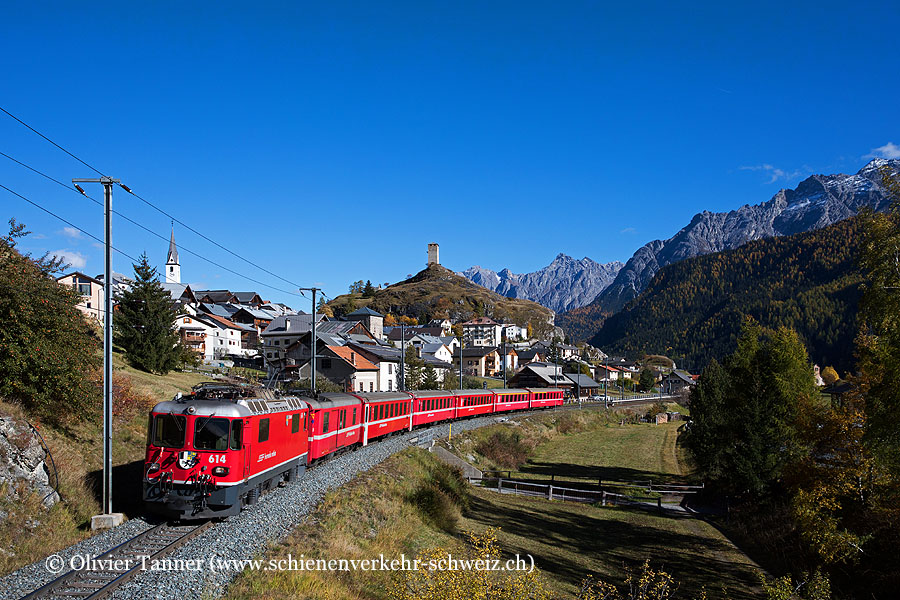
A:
[97,577]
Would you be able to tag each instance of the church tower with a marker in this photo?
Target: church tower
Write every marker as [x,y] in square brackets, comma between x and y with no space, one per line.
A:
[173,268]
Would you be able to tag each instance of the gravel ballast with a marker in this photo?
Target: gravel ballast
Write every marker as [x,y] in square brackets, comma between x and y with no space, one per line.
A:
[240,537]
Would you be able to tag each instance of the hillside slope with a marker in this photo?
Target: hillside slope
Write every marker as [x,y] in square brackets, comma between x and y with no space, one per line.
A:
[437,292]
[692,310]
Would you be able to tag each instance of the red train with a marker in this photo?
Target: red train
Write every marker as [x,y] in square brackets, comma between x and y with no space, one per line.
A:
[216,450]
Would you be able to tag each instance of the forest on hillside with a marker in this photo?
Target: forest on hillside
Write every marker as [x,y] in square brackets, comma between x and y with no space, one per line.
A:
[693,310]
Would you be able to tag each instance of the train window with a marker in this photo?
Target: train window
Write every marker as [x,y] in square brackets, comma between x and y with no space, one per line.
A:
[304,421]
[342,419]
[263,430]
[295,423]
[381,412]
[354,415]
[210,434]
[168,431]
[237,431]
[325,422]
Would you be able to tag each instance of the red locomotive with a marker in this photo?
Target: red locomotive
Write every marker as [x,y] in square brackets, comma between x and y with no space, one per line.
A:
[216,450]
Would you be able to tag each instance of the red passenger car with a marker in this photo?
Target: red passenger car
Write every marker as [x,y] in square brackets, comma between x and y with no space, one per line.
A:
[474,402]
[546,397]
[511,399]
[218,448]
[431,406]
[386,413]
[335,423]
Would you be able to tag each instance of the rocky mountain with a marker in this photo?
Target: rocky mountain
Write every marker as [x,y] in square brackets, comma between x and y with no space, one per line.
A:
[818,201]
[809,282]
[564,284]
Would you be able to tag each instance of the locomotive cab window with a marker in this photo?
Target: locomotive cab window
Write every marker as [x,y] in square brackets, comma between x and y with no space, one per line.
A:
[237,431]
[295,423]
[263,430]
[168,431]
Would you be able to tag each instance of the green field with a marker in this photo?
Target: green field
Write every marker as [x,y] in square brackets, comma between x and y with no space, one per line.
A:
[571,541]
[614,452]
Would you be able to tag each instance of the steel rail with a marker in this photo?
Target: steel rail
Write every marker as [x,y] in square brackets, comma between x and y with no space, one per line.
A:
[110,570]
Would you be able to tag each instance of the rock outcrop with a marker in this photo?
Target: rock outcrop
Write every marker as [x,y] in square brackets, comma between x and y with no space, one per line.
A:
[22,467]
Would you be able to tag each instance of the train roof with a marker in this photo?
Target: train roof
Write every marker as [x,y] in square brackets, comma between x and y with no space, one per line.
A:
[221,399]
[332,400]
[511,390]
[382,396]
[432,393]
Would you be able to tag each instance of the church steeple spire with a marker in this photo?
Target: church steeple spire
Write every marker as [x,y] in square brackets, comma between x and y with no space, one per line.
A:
[173,268]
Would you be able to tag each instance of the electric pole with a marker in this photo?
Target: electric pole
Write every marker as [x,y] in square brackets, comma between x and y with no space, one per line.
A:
[108,183]
[402,357]
[314,342]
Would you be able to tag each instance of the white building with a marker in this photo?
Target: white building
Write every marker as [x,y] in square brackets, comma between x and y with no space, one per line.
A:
[482,331]
[514,333]
[91,290]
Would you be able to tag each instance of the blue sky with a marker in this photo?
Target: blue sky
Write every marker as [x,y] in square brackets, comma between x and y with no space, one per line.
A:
[332,141]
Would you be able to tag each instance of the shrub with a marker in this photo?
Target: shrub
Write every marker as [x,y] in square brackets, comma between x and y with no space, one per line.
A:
[505,448]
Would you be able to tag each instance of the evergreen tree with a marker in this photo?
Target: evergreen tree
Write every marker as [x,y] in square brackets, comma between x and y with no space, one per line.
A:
[414,369]
[368,290]
[646,379]
[49,356]
[708,438]
[430,378]
[770,376]
[143,323]
[879,339]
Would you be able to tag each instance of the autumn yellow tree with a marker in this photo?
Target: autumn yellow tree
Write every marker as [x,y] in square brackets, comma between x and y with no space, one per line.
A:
[829,375]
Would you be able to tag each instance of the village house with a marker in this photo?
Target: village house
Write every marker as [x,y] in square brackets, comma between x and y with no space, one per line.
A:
[283,331]
[512,359]
[192,333]
[513,332]
[436,350]
[676,381]
[479,361]
[91,290]
[373,320]
[541,374]
[227,337]
[445,325]
[348,368]
[605,373]
[396,334]
[530,355]
[583,386]
[387,359]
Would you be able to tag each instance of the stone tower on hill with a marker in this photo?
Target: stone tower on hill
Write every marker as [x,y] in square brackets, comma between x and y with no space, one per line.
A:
[433,258]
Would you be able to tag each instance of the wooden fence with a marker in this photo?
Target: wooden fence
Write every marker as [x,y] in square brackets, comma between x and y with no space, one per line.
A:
[555,492]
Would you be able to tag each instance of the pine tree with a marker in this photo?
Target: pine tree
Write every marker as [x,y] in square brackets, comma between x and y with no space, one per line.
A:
[646,379]
[414,369]
[708,437]
[143,323]
[430,378]
[368,290]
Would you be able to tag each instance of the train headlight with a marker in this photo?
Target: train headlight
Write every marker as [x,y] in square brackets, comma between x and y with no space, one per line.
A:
[220,471]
